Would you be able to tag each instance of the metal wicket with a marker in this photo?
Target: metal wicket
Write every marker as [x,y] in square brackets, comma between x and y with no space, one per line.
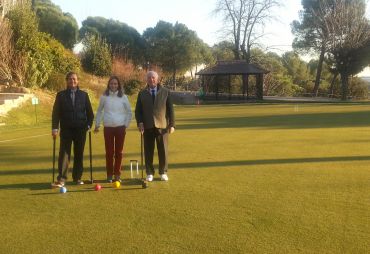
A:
[132,163]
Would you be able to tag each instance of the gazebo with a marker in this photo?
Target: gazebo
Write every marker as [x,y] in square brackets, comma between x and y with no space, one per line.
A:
[235,67]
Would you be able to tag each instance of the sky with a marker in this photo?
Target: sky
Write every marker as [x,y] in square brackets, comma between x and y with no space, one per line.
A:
[197,15]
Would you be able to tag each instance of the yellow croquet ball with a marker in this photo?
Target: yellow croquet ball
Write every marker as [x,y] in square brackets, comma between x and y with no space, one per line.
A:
[116,184]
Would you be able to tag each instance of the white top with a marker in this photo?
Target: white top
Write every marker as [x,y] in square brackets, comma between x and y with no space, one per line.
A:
[117,111]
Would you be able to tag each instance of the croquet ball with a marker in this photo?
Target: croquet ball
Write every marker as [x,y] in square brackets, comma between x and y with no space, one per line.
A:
[98,187]
[144,185]
[63,190]
[116,184]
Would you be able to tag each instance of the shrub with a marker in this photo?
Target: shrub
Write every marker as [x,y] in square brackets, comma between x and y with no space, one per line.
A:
[41,54]
[358,88]
[56,82]
[132,86]
[30,44]
[63,60]
[96,56]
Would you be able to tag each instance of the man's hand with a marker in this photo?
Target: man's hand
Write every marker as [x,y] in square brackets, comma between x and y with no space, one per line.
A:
[141,127]
[54,133]
[96,130]
[172,130]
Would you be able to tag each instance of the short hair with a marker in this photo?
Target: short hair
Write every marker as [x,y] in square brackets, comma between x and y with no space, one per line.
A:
[120,89]
[152,74]
[69,74]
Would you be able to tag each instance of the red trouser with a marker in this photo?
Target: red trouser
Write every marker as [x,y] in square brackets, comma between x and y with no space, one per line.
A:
[114,139]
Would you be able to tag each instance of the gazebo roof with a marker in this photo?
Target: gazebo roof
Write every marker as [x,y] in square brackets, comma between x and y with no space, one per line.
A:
[234,67]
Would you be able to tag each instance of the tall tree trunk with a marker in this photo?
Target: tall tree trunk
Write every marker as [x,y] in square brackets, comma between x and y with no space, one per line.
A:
[246,53]
[236,54]
[247,86]
[331,89]
[259,84]
[344,78]
[318,72]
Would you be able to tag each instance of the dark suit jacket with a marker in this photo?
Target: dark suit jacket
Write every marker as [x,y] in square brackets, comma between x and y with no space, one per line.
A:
[159,114]
[66,115]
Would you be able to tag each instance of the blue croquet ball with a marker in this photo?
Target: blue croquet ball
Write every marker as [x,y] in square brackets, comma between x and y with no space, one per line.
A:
[63,189]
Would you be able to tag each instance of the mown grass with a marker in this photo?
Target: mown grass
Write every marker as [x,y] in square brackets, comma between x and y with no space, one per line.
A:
[251,178]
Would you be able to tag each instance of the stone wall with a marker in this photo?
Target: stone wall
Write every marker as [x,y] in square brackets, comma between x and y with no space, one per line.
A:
[184,98]
[8,101]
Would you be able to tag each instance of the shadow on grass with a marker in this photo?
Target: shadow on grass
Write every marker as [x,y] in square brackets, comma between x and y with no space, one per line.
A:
[46,171]
[291,121]
[51,192]
[29,186]
[209,164]
[267,162]
[86,173]
[127,184]
[14,155]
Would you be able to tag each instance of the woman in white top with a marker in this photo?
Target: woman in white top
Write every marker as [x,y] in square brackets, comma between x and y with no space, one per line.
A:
[117,117]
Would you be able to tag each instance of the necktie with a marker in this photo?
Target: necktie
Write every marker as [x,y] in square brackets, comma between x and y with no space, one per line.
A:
[153,94]
[73,95]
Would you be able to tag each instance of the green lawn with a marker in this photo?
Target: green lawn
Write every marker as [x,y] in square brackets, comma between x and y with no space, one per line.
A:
[251,178]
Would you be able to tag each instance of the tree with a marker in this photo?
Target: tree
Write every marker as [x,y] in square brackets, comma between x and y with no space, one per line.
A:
[325,77]
[173,48]
[311,35]
[12,63]
[96,55]
[223,50]
[201,54]
[279,80]
[62,26]
[7,5]
[125,41]
[348,38]
[29,42]
[242,18]
[36,54]
[297,69]
[358,88]
[6,51]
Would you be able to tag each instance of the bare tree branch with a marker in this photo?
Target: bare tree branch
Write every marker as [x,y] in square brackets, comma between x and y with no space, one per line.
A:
[245,16]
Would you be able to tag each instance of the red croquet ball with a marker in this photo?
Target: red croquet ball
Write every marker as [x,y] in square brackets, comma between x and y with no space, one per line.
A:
[97,187]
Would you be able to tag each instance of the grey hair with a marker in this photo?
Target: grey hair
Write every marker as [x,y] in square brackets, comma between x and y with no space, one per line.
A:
[152,74]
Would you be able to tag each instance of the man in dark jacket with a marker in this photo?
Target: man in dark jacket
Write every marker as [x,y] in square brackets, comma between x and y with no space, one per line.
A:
[155,119]
[73,115]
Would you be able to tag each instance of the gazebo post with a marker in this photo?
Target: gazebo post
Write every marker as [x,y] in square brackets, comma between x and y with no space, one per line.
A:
[229,87]
[243,87]
[247,85]
[259,83]
[216,92]
[206,84]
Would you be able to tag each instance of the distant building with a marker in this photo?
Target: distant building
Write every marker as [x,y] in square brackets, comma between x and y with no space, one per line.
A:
[231,68]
